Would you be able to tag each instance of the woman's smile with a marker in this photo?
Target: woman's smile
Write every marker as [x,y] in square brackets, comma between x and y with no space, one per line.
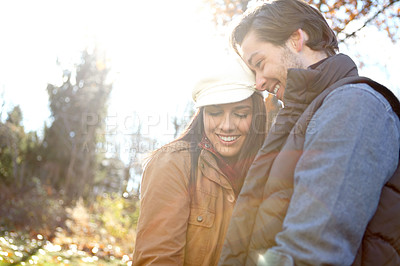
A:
[227,126]
[228,139]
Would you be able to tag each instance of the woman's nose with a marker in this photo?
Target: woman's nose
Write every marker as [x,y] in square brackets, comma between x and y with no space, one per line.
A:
[227,124]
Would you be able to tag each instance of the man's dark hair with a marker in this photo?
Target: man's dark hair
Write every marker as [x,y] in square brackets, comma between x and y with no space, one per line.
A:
[275,22]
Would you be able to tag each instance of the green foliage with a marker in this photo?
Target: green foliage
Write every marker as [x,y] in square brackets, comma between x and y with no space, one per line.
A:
[19,151]
[40,178]
[15,116]
[100,233]
[109,176]
[118,214]
[78,107]
[24,249]
[17,248]
[106,228]
[23,208]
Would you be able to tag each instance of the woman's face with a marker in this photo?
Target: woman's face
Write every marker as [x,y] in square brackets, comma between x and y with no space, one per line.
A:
[227,126]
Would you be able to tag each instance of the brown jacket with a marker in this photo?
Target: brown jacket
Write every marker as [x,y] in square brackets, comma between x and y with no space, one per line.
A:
[172,230]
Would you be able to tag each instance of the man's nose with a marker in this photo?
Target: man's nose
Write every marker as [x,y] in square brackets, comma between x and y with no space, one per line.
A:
[260,82]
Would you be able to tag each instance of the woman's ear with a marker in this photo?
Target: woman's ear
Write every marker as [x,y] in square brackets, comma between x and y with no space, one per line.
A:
[297,40]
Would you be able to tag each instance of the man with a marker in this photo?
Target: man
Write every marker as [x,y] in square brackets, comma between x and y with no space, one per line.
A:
[324,189]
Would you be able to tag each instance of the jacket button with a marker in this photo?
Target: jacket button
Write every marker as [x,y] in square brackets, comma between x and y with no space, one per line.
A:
[231,198]
[200,218]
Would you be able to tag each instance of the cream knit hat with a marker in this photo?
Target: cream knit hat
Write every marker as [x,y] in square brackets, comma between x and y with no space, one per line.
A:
[228,80]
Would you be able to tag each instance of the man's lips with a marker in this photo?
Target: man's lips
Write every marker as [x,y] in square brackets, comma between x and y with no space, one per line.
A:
[274,88]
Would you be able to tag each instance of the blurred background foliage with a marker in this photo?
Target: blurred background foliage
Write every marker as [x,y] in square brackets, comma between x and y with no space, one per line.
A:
[65,198]
[347,17]
[62,186]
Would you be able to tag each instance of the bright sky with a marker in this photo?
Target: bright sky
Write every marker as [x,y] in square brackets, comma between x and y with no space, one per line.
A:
[155,49]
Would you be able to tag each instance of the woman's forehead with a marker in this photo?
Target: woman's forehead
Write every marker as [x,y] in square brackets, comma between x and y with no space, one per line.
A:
[247,103]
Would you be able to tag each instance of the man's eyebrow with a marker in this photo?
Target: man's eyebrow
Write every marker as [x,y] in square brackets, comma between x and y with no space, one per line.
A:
[250,60]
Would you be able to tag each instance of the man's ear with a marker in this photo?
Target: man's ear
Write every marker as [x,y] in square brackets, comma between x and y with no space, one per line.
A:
[297,40]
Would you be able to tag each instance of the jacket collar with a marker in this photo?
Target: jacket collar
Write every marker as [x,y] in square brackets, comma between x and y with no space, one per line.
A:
[218,163]
[226,169]
[303,85]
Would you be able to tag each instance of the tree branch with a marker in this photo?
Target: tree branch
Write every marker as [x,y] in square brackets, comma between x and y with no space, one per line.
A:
[370,19]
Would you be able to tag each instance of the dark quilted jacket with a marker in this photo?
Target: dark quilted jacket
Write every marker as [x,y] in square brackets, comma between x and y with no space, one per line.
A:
[381,242]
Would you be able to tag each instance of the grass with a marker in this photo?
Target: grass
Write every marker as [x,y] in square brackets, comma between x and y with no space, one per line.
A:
[17,249]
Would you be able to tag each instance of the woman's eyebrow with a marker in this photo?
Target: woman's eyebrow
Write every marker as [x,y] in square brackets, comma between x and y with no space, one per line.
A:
[242,107]
[215,106]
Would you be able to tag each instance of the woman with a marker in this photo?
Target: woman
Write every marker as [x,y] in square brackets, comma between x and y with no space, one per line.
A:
[189,186]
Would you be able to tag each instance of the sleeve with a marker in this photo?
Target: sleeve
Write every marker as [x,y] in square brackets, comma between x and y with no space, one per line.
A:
[351,150]
[164,211]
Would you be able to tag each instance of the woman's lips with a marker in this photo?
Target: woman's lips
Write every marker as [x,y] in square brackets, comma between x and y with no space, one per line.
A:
[225,139]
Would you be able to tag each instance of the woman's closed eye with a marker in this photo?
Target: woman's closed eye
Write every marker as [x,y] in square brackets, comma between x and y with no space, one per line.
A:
[212,113]
[241,115]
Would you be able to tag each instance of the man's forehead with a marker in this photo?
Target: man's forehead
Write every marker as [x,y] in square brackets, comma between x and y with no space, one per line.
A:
[248,49]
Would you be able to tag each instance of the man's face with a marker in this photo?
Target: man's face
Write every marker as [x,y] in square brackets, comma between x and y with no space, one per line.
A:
[270,63]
